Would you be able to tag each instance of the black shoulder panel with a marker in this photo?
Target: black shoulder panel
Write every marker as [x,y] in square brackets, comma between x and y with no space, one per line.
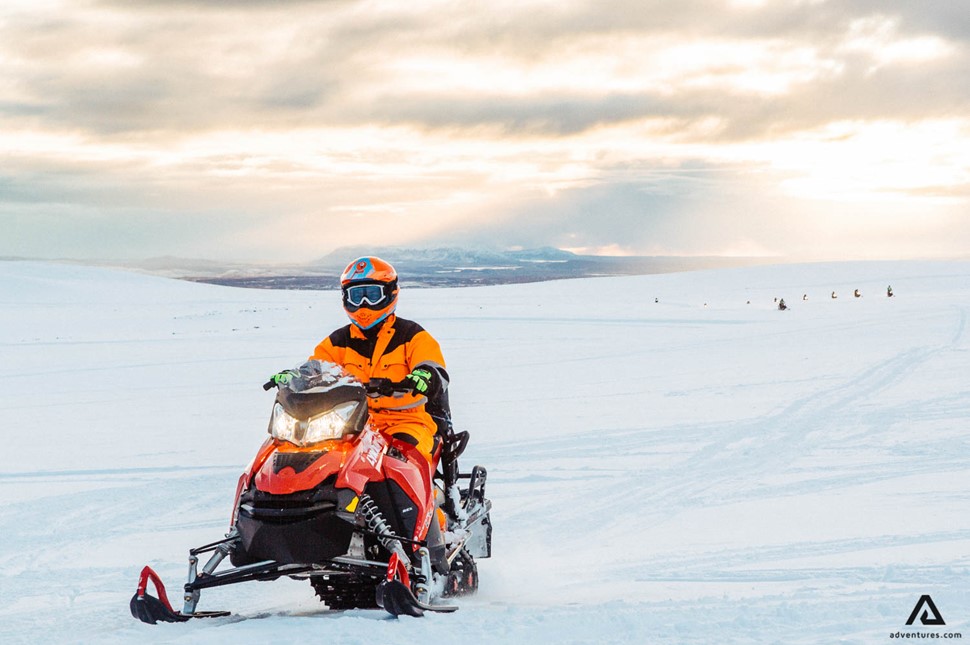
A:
[404,331]
[343,338]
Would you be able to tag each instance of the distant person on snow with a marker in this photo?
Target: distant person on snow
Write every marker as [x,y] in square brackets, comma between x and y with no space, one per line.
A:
[378,344]
[781,305]
[834,296]
[889,291]
[857,294]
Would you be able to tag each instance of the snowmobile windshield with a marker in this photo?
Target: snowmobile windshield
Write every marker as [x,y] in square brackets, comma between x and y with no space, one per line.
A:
[317,375]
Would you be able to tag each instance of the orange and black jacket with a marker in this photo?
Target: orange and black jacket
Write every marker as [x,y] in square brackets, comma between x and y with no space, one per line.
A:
[391,351]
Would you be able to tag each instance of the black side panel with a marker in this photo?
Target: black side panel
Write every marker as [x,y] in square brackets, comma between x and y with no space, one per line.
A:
[400,512]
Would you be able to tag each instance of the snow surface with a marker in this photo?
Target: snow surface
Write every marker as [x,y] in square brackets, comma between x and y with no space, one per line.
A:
[693,470]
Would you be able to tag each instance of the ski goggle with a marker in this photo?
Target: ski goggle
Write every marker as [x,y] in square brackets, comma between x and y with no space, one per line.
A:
[364,294]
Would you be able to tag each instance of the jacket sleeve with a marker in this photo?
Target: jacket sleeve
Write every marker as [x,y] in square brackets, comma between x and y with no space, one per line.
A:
[423,351]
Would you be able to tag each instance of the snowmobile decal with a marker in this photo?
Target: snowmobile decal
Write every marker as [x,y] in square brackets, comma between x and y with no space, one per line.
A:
[297,461]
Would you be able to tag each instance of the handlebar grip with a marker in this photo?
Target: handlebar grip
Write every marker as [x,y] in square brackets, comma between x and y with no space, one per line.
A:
[375,385]
[386,387]
[269,385]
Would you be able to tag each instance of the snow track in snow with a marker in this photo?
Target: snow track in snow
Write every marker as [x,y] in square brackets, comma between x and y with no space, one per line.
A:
[661,472]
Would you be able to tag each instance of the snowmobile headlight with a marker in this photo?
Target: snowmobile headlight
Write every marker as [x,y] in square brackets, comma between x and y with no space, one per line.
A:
[330,425]
[283,426]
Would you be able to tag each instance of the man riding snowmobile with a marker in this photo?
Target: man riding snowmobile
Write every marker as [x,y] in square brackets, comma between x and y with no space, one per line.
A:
[347,495]
[402,366]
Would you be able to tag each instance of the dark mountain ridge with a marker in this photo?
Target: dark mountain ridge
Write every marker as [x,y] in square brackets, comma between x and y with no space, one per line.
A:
[457,266]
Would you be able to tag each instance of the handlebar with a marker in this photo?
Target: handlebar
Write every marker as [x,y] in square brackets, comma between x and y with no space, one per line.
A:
[386,387]
[375,387]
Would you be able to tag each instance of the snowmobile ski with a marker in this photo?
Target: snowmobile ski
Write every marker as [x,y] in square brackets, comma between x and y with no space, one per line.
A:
[396,599]
[152,610]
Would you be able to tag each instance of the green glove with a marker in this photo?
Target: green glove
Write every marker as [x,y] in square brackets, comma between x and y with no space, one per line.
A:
[284,377]
[419,380]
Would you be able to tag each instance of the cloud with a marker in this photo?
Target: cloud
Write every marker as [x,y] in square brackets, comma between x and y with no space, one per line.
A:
[640,124]
[559,68]
[692,211]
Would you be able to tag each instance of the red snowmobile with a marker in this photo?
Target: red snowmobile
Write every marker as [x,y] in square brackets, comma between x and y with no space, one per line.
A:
[360,515]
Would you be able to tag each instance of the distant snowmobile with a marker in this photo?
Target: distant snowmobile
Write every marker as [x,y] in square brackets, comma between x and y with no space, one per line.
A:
[329,499]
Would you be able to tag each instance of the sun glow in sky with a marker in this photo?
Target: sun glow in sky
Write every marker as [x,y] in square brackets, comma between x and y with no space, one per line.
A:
[278,131]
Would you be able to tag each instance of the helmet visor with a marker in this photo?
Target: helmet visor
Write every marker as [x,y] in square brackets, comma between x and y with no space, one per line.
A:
[365,295]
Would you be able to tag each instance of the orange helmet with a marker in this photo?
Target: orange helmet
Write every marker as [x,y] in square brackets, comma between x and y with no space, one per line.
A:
[369,287]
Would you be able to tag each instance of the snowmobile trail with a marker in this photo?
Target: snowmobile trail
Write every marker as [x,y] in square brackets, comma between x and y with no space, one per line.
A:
[660,472]
[823,415]
[825,457]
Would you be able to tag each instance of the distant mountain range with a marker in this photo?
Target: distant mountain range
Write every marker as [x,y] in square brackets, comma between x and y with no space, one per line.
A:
[431,267]
[454,266]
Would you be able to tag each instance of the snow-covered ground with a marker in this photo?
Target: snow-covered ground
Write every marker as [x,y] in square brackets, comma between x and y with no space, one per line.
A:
[694,469]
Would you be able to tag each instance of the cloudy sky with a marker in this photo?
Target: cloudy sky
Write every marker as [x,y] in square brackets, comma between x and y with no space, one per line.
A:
[279,130]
